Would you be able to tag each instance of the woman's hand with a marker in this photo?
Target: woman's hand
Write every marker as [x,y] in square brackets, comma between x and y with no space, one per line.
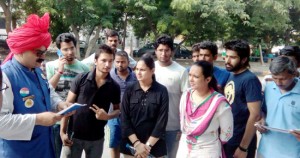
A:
[142,151]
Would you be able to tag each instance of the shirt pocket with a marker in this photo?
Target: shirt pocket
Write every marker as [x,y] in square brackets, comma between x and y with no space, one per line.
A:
[134,106]
[153,108]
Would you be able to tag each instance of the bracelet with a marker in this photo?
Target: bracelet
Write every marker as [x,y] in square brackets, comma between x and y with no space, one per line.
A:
[243,149]
[60,72]
[135,142]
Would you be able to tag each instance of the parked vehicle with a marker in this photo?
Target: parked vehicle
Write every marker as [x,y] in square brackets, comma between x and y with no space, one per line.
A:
[148,48]
[180,51]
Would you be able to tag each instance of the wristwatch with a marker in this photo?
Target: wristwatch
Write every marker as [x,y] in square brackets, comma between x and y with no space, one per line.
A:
[149,144]
[243,149]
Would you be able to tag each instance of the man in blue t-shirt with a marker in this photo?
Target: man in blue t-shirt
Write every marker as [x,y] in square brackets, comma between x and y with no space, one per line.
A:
[208,51]
[243,92]
[124,76]
[281,110]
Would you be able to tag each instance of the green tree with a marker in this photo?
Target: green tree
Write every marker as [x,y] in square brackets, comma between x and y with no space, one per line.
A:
[207,20]
[271,23]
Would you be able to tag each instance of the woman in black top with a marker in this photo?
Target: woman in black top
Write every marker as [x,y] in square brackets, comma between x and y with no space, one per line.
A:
[144,113]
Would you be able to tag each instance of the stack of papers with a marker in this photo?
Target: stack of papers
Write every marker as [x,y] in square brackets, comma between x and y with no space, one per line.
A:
[273,129]
[71,108]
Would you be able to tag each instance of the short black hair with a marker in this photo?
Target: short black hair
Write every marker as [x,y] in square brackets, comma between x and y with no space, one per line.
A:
[164,40]
[123,53]
[241,47]
[212,47]
[195,47]
[103,48]
[111,33]
[65,37]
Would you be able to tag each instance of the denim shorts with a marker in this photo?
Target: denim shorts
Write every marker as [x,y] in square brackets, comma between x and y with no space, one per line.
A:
[114,135]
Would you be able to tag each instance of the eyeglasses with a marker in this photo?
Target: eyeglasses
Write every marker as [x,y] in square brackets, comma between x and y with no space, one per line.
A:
[39,52]
[4,87]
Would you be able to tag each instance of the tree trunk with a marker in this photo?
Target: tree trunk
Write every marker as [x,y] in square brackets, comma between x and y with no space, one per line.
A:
[92,43]
[7,13]
[261,55]
[87,39]
[76,33]
[125,31]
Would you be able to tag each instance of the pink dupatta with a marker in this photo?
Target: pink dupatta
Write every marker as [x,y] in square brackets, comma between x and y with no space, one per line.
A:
[194,123]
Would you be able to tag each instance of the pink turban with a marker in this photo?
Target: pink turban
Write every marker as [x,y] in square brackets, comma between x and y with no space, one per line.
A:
[29,36]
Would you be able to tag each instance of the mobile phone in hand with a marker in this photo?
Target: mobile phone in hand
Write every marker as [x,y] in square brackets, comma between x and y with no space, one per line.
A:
[71,136]
[59,53]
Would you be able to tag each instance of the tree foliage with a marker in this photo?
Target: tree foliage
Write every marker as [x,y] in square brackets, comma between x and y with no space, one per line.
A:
[267,22]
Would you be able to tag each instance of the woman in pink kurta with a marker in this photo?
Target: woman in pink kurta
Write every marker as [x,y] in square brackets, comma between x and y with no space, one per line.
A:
[203,111]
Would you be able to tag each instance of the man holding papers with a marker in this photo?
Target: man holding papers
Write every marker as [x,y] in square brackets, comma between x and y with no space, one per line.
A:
[281,112]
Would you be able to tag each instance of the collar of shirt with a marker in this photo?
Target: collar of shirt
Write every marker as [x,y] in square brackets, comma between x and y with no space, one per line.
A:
[130,76]
[154,85]
[92,74]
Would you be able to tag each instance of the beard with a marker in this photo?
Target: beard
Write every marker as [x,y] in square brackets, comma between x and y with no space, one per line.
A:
[234,68]
[121,69]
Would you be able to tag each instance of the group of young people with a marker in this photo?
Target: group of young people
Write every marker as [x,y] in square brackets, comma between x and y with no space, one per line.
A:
[153,108]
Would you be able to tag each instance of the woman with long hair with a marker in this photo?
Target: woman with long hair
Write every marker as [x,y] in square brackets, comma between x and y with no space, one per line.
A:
[203,111]
[144,114]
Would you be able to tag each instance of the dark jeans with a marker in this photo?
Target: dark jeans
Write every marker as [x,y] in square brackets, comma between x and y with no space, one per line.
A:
[57,140]
[229,149]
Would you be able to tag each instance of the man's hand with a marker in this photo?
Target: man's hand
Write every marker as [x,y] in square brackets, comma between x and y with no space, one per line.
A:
[101,114]
[240,154]
[65,139]
[259,125]
[296,133]
[61,63]
[47,118]
[63,105]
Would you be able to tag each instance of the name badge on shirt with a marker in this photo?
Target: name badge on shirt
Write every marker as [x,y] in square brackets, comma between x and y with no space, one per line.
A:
[29,97]
[29,103]
[24,91]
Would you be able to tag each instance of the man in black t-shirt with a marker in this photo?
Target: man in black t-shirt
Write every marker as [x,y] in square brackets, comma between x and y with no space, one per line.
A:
[98,90]
[243,92]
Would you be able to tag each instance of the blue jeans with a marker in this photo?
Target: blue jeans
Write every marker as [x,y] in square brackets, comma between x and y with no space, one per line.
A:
[172,142]
[57,140]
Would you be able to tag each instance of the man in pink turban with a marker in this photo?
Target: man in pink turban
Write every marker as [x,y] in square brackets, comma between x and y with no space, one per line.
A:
[25,114]
[34,34]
